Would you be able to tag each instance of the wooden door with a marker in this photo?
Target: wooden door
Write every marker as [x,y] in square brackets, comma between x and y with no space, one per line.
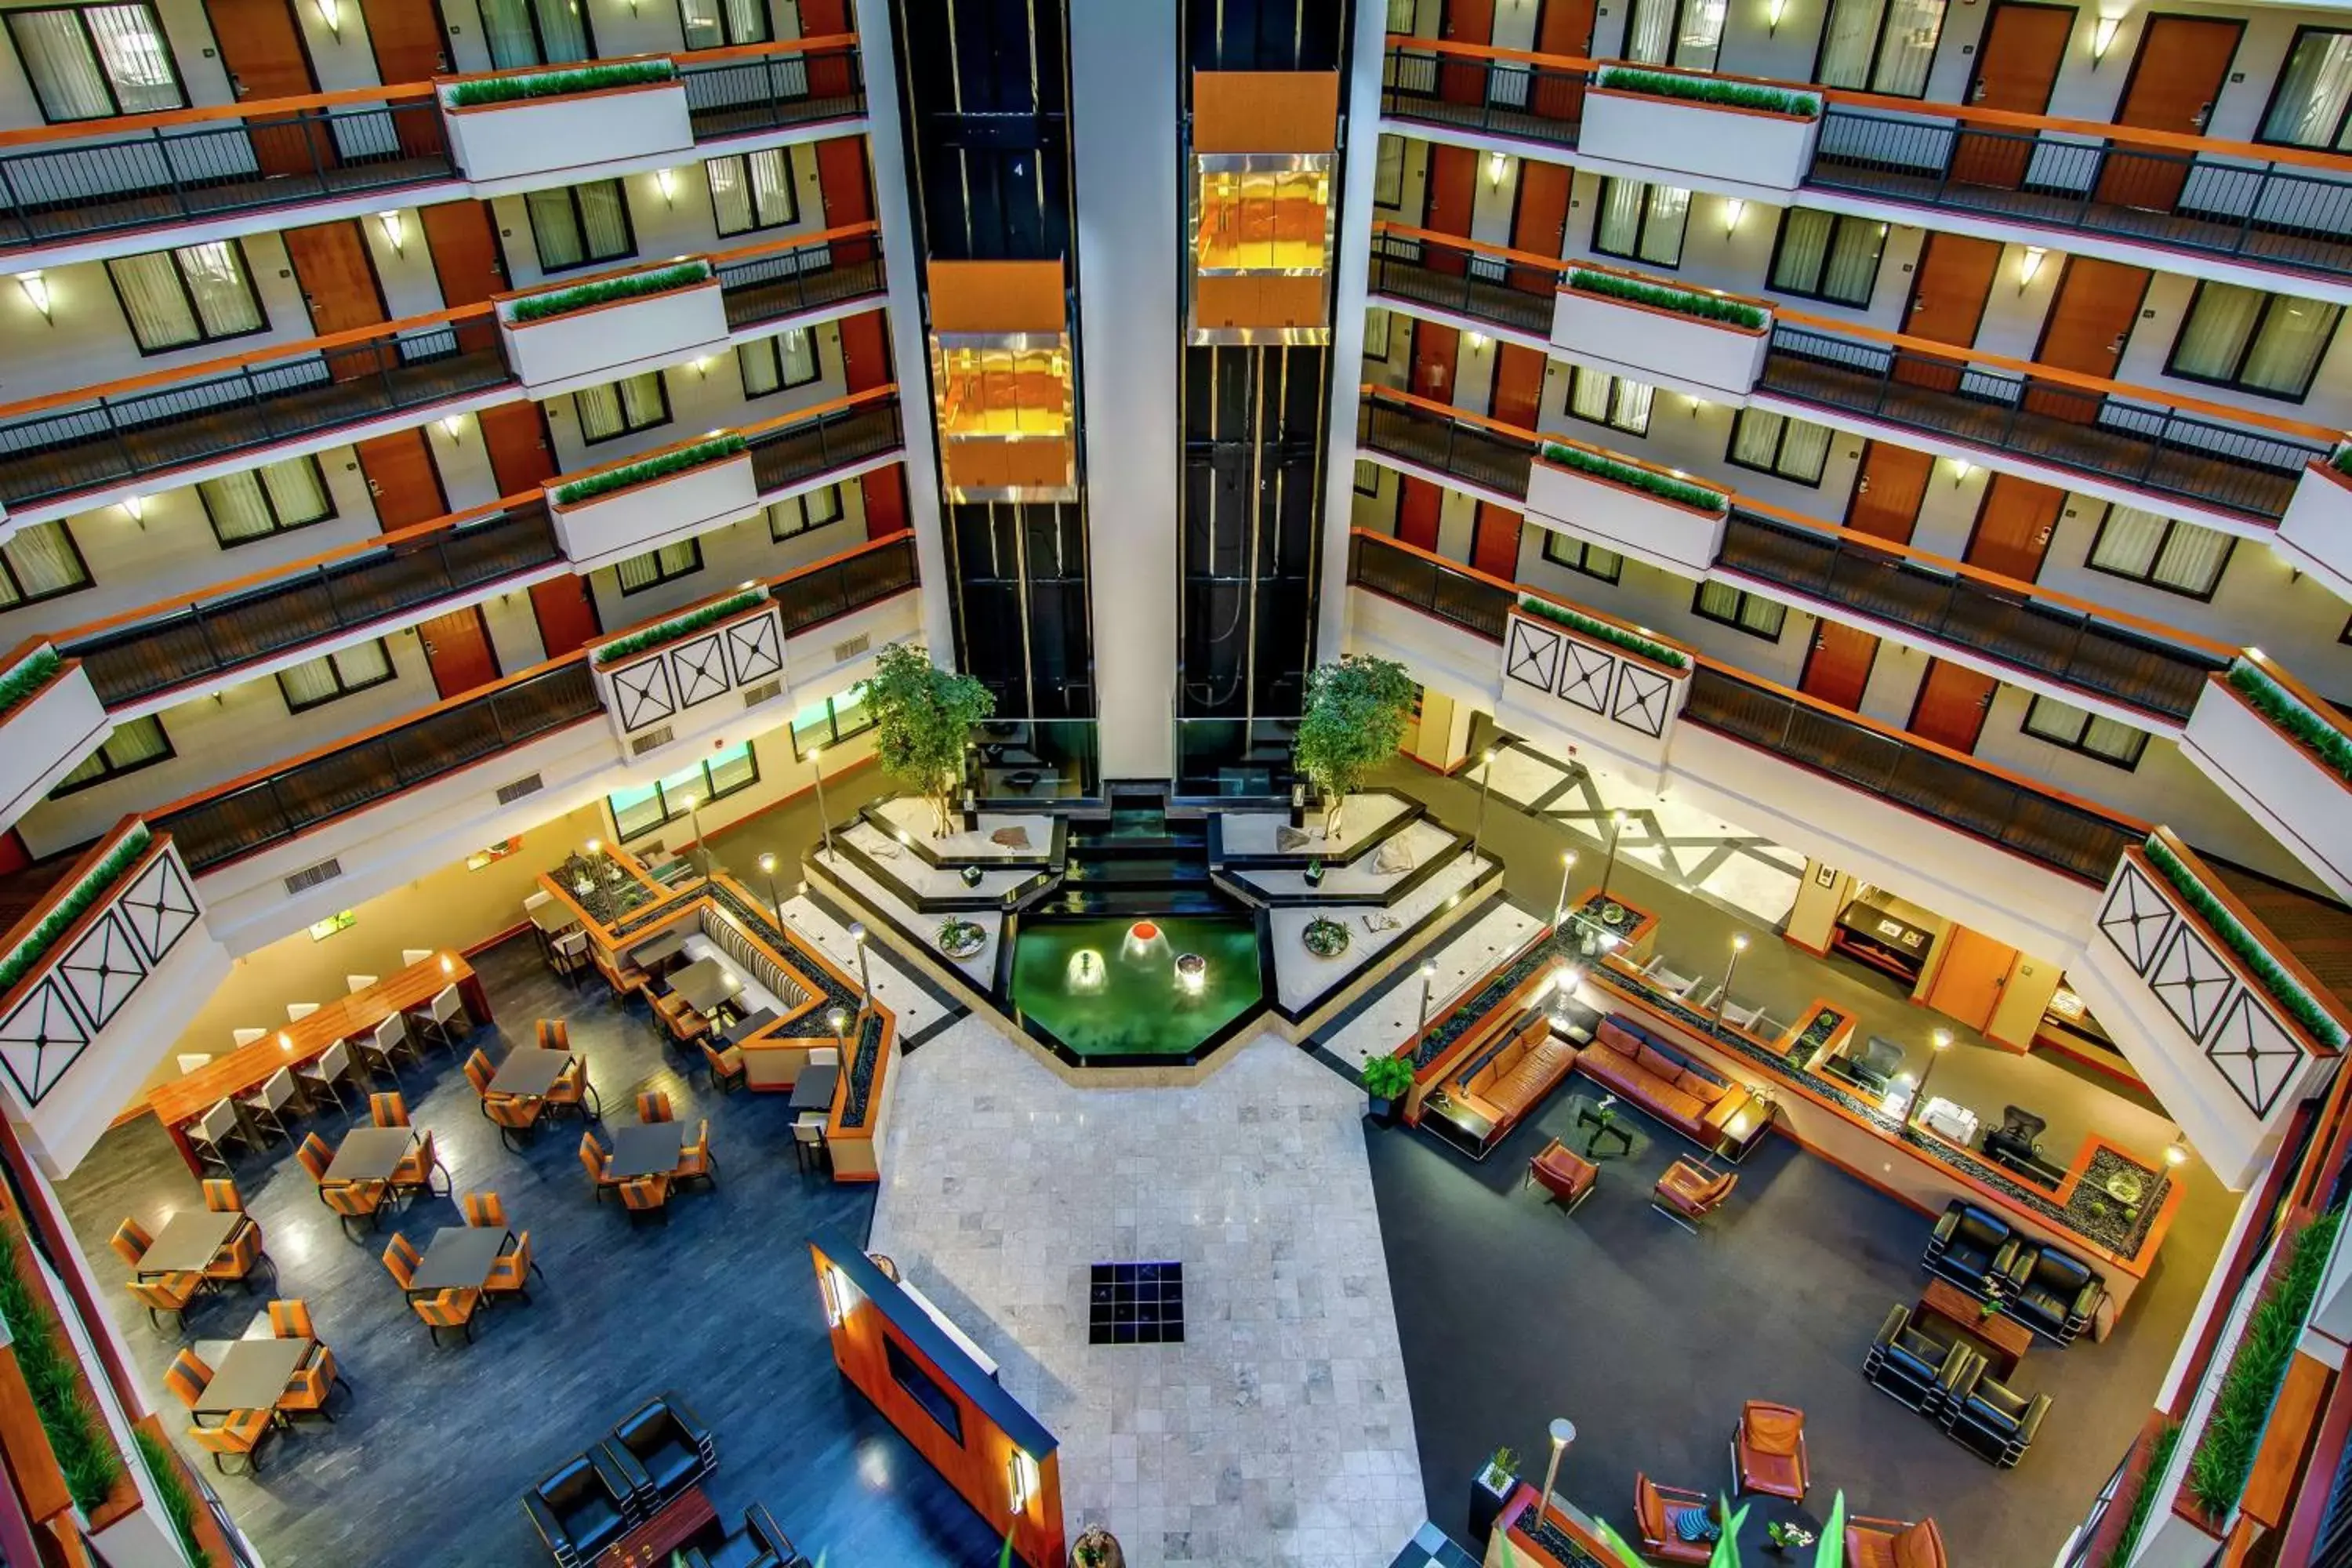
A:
[337,276]
[1419,502]
[1518,385]
[1564,28]
[842,181]
[457,647]
[1494,542]
[566,613]
[1837,666]
[1436,350]
[1461,79]
[403,477]
[865,351]
[261,48]
[1968,983]
[1452,189]
[2091,317]
[2175,79]
[463,239]
[1888,491]
[1949,290]
[1951,705]
[884,491]
[407,39]
[1540,225]
[522,457]
[2013,526]
[2016,66]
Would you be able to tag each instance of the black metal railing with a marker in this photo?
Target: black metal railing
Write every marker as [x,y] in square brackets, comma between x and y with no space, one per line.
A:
[2282,213]
[1513,98]
[1447,592]
[786,455]
[304,795]
[1456,447]
[2065,645]
[786,282]
[852,582]
[210,636]
[2076,840]
[2238,468]
[172,174]
[1519,294]
[108,439]
[770,91]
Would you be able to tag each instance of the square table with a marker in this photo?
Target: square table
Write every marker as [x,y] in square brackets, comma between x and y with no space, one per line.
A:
[659,951]
[458,1257]
[528,1070]
[371,1153]
[648,1148]
[704,985]
[252,1376]
[743,1028]
[813,1091]
[554,917]
[188,1242]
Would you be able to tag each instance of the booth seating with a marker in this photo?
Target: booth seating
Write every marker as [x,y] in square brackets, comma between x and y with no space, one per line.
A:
[1915,1365]
[1692,1099]
[1973,1248]
[766,982]
[1503,1082]
[1998,1423]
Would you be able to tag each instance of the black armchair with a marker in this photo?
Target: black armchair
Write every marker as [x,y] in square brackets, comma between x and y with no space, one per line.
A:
[662,1448]
[2051,1292]
[759,1545]
[1973,1249]
[1871,1067]
[583,1507]
[1914,1366]
[1993,1420]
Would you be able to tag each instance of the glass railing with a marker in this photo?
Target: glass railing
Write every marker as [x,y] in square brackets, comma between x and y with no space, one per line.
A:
[1502,289]
[1436,588]
[1245,759]
[1018,761]
[836,587]
[732,92]
[1456,447]
[781,281]
[795,448]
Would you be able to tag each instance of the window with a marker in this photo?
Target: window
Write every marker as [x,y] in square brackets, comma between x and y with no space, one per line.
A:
[42,562]
[2161,551]
[651,807]
[832,722]
[1741,610]
[778,364]
[319,682]
[258,503]
[1880,46]
[1641,222]
[639,403]
[2266,344]
[752,191]
[196,294]
[1400,16]
[715,24]
[1611,400]
[1577,556]
[1368,477]
[1775,444]
[1675,32]
[1827,256]
[655,567]
[536,32]
[1376,334]
[572,226]
[140,744]
[87,62]
[802,513]
[1388,174]
[2308,107]
[2061,724]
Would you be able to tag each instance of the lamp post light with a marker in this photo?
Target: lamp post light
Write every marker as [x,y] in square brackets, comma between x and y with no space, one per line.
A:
[1616,831]
[1428,979]
[1563,1432]
[693,819]
[1486,778]
[1943,1042]
[775,904]
[839,1019]
[865,976]
[1559,905]
[824,821]
[1739,946]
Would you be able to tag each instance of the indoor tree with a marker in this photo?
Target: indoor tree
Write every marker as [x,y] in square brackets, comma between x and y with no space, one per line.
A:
[923,718]
[1355,717]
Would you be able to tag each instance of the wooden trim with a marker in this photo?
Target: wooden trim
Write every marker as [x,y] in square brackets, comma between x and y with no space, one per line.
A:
[708,281]
[1463,242]
[124,124]
[1459,568]
[88,862]
[809,567]
[887,390]
[749,612]
[1459,415]
[2280,951]
[560,67]
[827,42]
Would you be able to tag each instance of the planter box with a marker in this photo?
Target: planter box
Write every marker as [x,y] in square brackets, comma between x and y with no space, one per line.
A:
[2316,531]
[1718,141]
[1632,522]
[605,343]
[706,678]
[1591,692]
[43,737]
[1713,360]
[622,523]
[2305,804]
[539,136]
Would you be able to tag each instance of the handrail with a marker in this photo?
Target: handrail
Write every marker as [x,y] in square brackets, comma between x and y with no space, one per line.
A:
[718,258]
[1463,242]
[256,108]
[780,421]
[1379,394]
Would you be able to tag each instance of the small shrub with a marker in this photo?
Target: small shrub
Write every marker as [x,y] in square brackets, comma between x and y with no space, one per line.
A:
[563,301]
[1665,486]
[102,877]
[31,674]
[620,478]
[1386,1078]
[2160,1459]
[2224,1455]
[685,625]
[2312,731]
[2282,987]
[78,1436]
[179,1502]
[1706,89]
[2342,460]
[1682,301]
[1602,631]
[557,84]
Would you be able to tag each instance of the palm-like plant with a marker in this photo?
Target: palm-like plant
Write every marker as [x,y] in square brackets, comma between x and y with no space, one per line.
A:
[1829,1551]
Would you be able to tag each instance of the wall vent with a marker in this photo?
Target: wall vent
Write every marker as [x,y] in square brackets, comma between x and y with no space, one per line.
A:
[529,784]
[856,648]
[309,876]
[640,744]
[767,690]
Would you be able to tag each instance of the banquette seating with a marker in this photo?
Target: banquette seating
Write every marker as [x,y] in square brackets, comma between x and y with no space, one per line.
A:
[1692,1099]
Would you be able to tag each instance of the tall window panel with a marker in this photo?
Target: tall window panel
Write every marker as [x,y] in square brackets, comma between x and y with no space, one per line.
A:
[536,32]
[2266,343]
[752,191]
[196,294]
[1612,400]
[1795,449]
[716,23]
[1641,222]
[789,359]
[2313,99]
[1563,549]
[2161,551]
[140,744]
[815,509]
[655,567]
[1880,46]
[87,62]
[616,408]
[1687,33]
[572,226]
[272,499]
[1741,610]
[1388,174]
[42,562]
[645,809]
[1827,256]
[832,722]
[316,682]
[2062,724]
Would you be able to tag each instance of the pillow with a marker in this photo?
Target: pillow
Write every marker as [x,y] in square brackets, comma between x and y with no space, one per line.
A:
[1693,1525]
[1657,1064]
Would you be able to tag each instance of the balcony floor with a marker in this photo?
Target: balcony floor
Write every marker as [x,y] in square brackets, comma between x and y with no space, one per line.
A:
[45,222]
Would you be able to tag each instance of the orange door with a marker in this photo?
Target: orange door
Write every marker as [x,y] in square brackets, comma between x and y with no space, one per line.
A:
[865,351]
[1463,80]
[566,613]
[829,76]
[457,647]
[406,37]
[1540,225]
[1968,984]
[1951,709]
[401,476]
[2175,78]
[1948,295]
[1837,666]
[2091,317]
[2013,526]
[884,491]
[1564,28]
[1494,542]
[842,180]
[515,436]
[337,276]
[1418,505]
[261,48]
[464,242]
[1886,495]
[2017,64]
[1518,385]
[1435,352]
[1453,188]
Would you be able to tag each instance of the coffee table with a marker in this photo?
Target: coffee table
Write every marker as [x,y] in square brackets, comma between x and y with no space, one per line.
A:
[2004,1340]
[459,1257]
[371,1153]
[648,1148]
[1764,1511]
[188,1242]
[252,1376]
[530,1073]
[1603,1119]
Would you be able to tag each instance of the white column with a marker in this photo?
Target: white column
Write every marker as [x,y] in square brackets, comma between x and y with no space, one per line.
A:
[1123,133]
[1360,114]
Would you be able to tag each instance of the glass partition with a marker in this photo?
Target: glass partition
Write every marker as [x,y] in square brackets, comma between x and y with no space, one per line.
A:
[1246,759]
[1018,762]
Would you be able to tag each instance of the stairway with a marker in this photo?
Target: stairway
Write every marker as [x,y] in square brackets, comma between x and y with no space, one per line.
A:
[1136,860]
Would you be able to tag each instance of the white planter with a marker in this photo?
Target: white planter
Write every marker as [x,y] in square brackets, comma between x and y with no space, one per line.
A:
[45,736]
[1713,360]
[702,681]
[1718,141]
[2305,805]
[2315,534]
[535,136]
[1632,521]
[605,343]
[612,527]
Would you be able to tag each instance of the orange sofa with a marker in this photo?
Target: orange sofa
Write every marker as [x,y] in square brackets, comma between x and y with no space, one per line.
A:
[1506,1081]
[1679,1092]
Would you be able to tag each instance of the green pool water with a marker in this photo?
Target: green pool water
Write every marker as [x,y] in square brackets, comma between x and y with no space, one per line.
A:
[1123,1001]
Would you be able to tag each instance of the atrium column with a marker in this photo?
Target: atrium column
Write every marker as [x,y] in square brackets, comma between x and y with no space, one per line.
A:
[1361,105]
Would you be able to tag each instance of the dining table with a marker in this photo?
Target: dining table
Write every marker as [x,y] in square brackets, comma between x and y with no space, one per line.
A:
[459,1257]
[653,955]
[813,1091]
[530,1073]
[705,985]
[252,1376]
[370,1155]
[647,1149]
[188,1242]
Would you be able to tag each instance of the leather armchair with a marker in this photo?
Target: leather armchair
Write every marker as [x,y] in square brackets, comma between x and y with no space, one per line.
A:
[759,1545]
[583,1507]
[2053,1292]
[1768,1451]
[1993,1419]
[1653,1505]
[662,1447]
[1973,1249]
[1892,1543]
[1912,1366]
[1687,1194]
[1567,1176]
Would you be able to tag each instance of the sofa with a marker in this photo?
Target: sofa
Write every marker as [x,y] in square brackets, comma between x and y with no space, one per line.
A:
[1503,1082]
[1918,1368]
[759,1545]
[1973,1248]
[1634,1064]
[2053,1293]
[662,1447]
[583,1507]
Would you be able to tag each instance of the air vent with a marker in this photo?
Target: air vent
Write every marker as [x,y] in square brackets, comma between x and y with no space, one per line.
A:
[529,784]
[856,648]
[309,876]
[640,744]
[766,690]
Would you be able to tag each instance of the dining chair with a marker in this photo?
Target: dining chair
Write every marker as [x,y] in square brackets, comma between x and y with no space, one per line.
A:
[265,1107]
[412,956]
[239,1256]
[653,1105]
[572,956]
[647,1194]
[808,1139]
[221,1195]
[510,1274]
[598,1164]
[824,1056]
[478,1072]
[298,1011]
[376,1049]
[685,1025]
[290,1319]
[312,1383]
[240,1435]
[131,1241]
[210,1133]
[443,1015]
[355,984]
[166,1293]
[245,1037]
[388,1110]
[516,1116]
[315,1157]
[626,979]
[187,1377]
[695,1163]
[415,1172]
[572,1092]
[322,1077]
[451,1308]
[401,1258]
[354,1200]
[194,1061]
[727,1067]
[485,1210]
[554,1035]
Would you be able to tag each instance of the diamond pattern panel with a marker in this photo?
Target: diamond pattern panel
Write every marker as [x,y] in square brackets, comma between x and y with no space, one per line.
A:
[1534,655]
[643,692]
[2192,981]
[1585,679]
[2136,919]
[756,648]
[701,667]
[102,969]
[2257,1056]
[159,908]
[1641,696]
[40,1039]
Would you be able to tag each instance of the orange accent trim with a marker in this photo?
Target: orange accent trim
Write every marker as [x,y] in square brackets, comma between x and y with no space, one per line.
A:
[1636,95]
[1460,242]
[2320,707]
[826,41]
[1264,111]
[997,295]
[2319,992]
[747,613]
[854,400]
[1457,567]
[1459,415]
[798,417]
[557,286]
[838,556]
[89,129]
[790,242]
[601,62]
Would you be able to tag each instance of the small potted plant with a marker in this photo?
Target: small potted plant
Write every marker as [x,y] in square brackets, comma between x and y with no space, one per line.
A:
[1315,871]
[1387,1080]
[1490,1491]
[1096,1548]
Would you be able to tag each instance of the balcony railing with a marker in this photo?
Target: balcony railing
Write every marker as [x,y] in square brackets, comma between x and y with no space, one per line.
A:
[1489,285]
[106,435]
[2108,431]
[773,87]
[2070,836]
[257,811]
[1474,88]
[794,448]
[2058,639]
[768,283]
[1460,446]
[171,645]
[1477,604]
[818,593]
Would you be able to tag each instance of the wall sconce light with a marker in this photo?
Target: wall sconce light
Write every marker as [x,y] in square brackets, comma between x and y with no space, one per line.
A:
[37,292]
[2176,1154]
[330,11]
[135,508]
[840,1296]
[1478,341]
[1961,472]
[2028,265]
[666,180]
[1021,1479]
[1496,163]
[1733,211]
[1772,17]
[393,233]
[451,427]
[2103,33]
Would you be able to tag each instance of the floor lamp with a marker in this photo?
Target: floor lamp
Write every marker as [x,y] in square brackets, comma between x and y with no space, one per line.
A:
[1563,1432]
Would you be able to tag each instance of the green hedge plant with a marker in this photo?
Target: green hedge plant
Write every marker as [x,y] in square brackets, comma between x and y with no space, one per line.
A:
[2311,730]
[677,461]
[1603,631]
[557,84]
[2341,461]
[86,1454]
[1659,296]
[1707,89]
[2224,1455]
[2282,987]
[1665,486]
[179,1501]
[563,301]
[32,672]
[685,625]
[29,953]
[2143,1495]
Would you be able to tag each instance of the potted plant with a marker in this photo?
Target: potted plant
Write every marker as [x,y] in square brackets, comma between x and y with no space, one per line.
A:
[1491,1491]
[1096,1548]
[1387,1080]
[1354,721]
[923,719]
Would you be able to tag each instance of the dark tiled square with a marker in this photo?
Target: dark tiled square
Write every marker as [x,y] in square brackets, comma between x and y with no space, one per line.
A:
[1135,1304]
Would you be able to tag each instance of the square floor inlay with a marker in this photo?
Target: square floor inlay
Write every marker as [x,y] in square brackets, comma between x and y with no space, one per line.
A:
[1136,1304]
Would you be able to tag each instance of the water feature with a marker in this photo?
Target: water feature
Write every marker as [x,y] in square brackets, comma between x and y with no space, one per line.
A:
[1102,991]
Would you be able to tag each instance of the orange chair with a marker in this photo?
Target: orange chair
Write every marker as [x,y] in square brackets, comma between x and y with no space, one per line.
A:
[239,1256]
[451,1308]
[554,1035]
[388,1110]
[484,1211]
[131,1241]
[1892,1543]
[598,1164]
[221,1197]
[573,1093]
[400,1257]
[315,1157]
[695,1163]
[290,1319]
[1768,1451]
[1654,1508]
[1687,1193]
[187,1377]
[516,1117]
[653,1105]
[313,1384]
[415,1172]
[240,1435]
[725,1065]
[354,1200]
[685,1025]
[647,1194]
[166,1293]
[478,1072]
[510,1274]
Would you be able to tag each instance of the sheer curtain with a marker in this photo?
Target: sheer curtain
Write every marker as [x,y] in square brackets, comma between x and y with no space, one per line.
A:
[237,506]
[506,25]
[65,74]
[605,220]
[1701,35]
[2220,322]
[1589,398]
[152,297]
[730,196]
[2192,558]
[216,280]
[1804,449]
[1756,438]
[758,364]
[1621,216]
[553,228]
[131,49]
[1650,32]
[2294,333]
[1912,28]
[561,32]
[2313,93]
[2127,540]
[1853,260]
[1662,235]
[1804,247]
[1848,39]
[308,684]
[44,561]
[599,412]
[297,492]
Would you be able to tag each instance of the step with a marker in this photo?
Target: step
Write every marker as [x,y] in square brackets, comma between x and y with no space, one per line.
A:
[1069,900]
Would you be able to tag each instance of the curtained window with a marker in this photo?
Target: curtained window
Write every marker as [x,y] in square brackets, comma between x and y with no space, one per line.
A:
[315,682]
[655,567]
[2267,343]
[1561,550]
[535,32]
[2161,551]
[85,62]
[752,191]
[1611,400]
[1641,222]
[1739,610]
[572,226]
[618,407]
[1687,33]
[1880,46]
[42,562]
[1388,174]
[196,294]
[1827,256]
[140,744]
[258,503]
[802,513]
[715,24]
[1775,444]
[2308,107]
[778,364]
[2062,724]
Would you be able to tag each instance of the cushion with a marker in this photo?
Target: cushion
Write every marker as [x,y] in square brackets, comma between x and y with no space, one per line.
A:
[1675,1106]
[1538,1030]
[1701,1088]
[1921,1546]
[1617,1037]
[1657,1064]
[1693,1525]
